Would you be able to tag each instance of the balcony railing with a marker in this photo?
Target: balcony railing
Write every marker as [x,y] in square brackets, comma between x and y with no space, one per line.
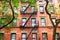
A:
[29,25]
[34,12]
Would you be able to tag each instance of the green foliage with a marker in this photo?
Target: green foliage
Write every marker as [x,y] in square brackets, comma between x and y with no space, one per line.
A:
[15,8]
[7,27]
[14,22]
[50,8]
[2,21]
[31,2]
[15,2]
[1,36]
[23,0]
[4,7]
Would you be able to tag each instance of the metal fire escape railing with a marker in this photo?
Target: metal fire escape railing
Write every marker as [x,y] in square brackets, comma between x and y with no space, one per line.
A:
[28,20]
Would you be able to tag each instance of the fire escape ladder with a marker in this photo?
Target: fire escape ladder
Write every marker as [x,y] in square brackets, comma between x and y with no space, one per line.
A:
[30,32]
[28,19]
[26,8]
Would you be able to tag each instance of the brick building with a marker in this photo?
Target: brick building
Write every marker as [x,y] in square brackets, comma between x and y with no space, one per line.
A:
[38,26]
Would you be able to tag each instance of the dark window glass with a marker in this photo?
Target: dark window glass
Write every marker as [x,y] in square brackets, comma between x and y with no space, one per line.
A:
[44,36]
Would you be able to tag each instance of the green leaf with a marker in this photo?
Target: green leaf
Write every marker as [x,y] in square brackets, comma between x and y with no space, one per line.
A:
[14,22]
[23,0]
[31,2]
[15,2]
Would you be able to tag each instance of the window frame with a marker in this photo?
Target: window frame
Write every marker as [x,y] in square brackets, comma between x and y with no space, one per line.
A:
[35,35]
[2,35]
[15,9]
[56,38]
[42,18]
[50,0]
[32,7]
[23,8]
[40,0]
[41,10]
[4,8]
[24,22]
[25,35]
[55,20]
[3,22]
[14,24]
[33,23]
[14,34]
[45,37]
[51,8]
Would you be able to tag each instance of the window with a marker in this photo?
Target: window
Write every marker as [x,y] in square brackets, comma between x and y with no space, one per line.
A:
[1,36]
[34,36]
[51,9]
[4,9]
[3,21]
[44,36]
[14,22]
[24,36]
[50,0]
[13,36]
[32,9]
[23,8]
[54,20]
[33,22]
[41,9]
[15,9]
[23,21]
[40,0]
[43,22]
[57,36]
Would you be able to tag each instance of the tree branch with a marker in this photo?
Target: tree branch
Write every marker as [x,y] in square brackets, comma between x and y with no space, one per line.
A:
[12,14]
[48,12]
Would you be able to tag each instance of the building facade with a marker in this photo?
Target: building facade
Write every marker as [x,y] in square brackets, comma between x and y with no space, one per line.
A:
[38,25]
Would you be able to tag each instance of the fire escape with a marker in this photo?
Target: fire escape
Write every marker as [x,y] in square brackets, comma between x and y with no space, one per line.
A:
[28,24]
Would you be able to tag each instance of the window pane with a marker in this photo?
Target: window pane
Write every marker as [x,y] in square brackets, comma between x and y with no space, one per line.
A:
[54,20]
[14,22]
[44,35]
[43,21]
[33,21]
[40,0]
[4,9]
[34,36]
[43,24]
[24,36]
[23,8]
[3,20]
[1,36]
[51,9]
[50,0]
[41,9]
[13,36]
[23,39]
[23,21]
[57,36]
[32,9]
[34,39]
[15,9]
